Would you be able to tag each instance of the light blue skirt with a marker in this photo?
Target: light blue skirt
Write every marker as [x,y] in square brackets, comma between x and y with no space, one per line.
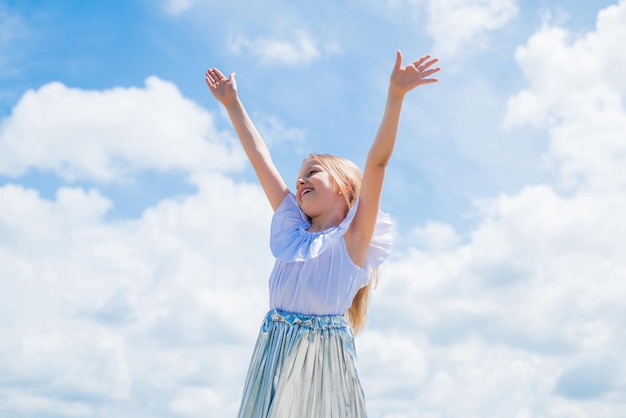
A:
[303,366]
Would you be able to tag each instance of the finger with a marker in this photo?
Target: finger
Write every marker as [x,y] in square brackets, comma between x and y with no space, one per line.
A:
[421,60]
[430,71]
[231,77]
[429,63]
[427,76]
[211,76]
[398,63]
[209,79]
[218,74]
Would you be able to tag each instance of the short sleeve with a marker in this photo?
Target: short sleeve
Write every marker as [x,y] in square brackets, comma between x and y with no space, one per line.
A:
[382,240]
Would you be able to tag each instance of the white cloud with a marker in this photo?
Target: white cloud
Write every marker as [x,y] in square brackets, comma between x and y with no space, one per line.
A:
[98,312]
[195,401]
[458,24]
[523,317]
[102,311]
[299,50]
[576,90]
[107,135]
[520,315]
[436,236]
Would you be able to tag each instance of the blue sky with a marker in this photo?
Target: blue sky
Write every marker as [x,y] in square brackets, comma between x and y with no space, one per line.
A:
[133,235]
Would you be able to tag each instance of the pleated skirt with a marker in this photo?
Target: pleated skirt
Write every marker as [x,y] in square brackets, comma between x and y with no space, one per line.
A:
[303,366]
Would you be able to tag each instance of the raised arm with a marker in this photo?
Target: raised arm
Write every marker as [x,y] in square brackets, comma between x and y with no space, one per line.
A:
[225,91]
[402,80]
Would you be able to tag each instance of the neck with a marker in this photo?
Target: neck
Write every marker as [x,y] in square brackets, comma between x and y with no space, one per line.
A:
[327,220]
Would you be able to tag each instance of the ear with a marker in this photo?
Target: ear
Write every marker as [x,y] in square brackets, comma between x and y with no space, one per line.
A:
[350,191]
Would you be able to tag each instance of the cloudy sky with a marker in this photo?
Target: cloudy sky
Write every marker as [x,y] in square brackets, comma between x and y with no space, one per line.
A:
[134,238]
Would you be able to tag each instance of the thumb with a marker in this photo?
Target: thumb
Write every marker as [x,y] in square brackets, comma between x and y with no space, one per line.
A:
[231,77]
[398,63]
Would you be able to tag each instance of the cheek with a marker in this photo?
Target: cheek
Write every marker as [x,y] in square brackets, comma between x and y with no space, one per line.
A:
[328,181]
[333,186]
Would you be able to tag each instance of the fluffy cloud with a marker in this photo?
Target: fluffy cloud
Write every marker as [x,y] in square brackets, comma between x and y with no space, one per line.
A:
[108,135]
[299,50]
[156,316]
[102,312]
[577,91]
[99,312]
[523,316]
[455,24]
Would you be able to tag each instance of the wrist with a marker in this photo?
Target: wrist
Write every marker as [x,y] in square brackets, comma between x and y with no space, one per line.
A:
[232,104]
[394,94]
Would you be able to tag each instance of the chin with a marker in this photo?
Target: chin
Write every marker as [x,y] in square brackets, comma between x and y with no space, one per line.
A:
[304,210]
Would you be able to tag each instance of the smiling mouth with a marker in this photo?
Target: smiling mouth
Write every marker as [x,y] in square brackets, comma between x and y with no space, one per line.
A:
[305,191]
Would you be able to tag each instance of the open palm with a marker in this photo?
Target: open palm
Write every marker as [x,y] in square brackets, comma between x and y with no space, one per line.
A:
[223,89]
[404,79]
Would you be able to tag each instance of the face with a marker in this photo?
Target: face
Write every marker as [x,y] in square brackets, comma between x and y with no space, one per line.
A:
[315,189]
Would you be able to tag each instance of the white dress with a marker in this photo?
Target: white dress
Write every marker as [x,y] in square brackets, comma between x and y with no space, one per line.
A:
[304,361]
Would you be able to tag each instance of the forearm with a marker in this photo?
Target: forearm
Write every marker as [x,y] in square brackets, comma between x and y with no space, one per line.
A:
[250,138]
[225,91]
[385,139]
[258,154]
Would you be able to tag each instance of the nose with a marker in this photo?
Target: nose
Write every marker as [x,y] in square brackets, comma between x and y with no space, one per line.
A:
[299,183]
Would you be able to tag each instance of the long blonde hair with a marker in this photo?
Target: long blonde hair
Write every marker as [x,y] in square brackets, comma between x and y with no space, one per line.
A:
[348,178]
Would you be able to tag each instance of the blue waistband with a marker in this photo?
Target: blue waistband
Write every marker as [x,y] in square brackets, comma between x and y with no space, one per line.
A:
[306,321]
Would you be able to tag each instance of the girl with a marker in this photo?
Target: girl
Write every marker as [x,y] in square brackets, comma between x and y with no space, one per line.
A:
[328,238]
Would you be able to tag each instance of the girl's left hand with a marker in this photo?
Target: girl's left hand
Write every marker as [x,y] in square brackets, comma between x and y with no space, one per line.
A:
[404,79]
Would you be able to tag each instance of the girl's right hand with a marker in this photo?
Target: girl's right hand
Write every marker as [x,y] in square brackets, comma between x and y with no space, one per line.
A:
[223,89]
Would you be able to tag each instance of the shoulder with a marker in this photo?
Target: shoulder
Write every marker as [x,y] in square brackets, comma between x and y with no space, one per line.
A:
[288,214]
[373,249]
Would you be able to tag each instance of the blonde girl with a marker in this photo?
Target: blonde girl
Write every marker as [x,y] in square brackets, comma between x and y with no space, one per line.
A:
[328,238]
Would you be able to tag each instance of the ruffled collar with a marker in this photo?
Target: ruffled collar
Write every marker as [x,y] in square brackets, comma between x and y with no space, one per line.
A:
[290,239]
